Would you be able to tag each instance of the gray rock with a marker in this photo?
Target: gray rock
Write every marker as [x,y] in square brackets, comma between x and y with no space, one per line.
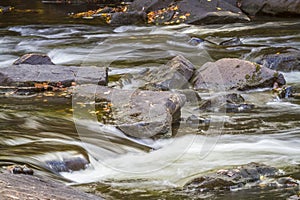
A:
[128,18]
[137,113]
[34,59]
[227,178]
[28,75]
[232,42]
[228,73]
[211,12]
[232,102]
[68,165]
[198,11]
[271,7]
[174,75]
[20,186]
[282,59]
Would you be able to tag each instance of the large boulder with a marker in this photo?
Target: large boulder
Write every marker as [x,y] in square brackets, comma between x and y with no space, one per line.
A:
[211,12]
[281,59]
[190,11]
[271,7]
[34,59]
[54,75]
[137,113]
[230,73]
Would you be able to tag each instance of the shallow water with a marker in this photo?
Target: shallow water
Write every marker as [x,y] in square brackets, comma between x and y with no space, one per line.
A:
[34,131]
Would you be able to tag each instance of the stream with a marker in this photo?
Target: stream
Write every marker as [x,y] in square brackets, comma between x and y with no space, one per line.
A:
[34,132]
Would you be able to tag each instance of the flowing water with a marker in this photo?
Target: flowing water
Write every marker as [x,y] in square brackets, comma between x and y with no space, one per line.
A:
[37,130]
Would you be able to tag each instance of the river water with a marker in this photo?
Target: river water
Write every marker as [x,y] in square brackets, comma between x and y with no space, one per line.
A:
[34,131]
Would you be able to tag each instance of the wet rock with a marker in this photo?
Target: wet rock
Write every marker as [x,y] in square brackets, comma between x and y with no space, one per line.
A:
[20,186]
[195,41]
[189,11]
[20,169]
[231,107]
[68,165]
[137,113]
[34,59]
[229,103]
[284,92]
[228,178]
[232,42]
[174,75]
[271,7]
[128,18]
[281,59]
[54,75]
[211,12]
[228,74]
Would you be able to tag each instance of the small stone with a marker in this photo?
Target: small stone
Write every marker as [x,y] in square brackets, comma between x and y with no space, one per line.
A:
[34,59]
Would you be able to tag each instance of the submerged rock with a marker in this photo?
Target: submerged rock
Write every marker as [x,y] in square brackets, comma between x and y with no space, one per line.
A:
[194,41]
[34,59]
[232,102]
[228,74]
[233,177]
[232,42]
[137,113]
[54,75]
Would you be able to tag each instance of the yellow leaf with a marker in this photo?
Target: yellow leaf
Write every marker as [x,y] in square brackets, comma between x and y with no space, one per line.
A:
[218,8]
[182,17]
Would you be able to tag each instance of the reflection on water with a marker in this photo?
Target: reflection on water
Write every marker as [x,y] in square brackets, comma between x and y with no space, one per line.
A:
[34,133]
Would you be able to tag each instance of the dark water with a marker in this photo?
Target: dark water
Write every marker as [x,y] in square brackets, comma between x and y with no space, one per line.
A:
[38,129]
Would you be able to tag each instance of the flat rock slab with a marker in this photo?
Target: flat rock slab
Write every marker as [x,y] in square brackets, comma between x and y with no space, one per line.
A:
[19,186]
[228,73]
[137,113]
[27,75]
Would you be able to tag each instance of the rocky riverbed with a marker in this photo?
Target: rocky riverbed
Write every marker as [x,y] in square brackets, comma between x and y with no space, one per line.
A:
[133,112]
